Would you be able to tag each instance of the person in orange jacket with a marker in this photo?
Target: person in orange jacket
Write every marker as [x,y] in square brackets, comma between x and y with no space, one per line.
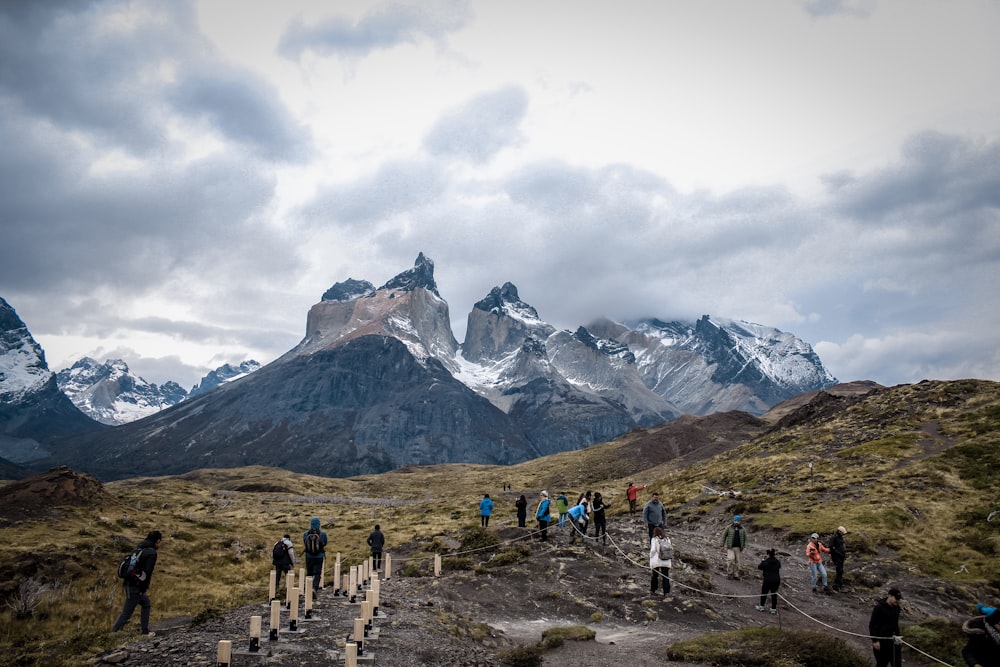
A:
[632,493]
[814,554]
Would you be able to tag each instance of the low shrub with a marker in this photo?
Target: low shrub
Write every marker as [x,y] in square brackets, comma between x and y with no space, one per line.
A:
[767,647]
[521,656]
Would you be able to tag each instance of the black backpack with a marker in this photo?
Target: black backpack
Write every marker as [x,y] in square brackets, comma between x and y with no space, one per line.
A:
[128,569]
[279,553]
[314,542]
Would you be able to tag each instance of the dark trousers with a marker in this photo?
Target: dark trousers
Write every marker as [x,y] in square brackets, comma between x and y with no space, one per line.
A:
[314,568]
[772,588]
[658,572]
[889,654]
[601,528]
[377,560]
[134,597]
[521,519]
[543,526]
[277,578]
[485,518]
[631,507]
[838,580]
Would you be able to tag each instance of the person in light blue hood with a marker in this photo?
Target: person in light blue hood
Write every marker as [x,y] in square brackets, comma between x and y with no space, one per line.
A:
[315,543]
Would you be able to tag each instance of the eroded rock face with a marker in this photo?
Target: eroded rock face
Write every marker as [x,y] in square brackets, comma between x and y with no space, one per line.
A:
[58,487]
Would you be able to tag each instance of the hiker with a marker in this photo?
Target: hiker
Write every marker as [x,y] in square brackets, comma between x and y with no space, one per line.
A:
[584,500]
[838,553]
[734,541]
[661,553]
[814,555]
[632,493]
[654,514]
[883,628]
[600,520]
[485,510]
[771,567]
[542,515]
[282,557]
[315,546]
[562,507]
[577,521]
[982,648]
[522,511]
[137,584]
[376,541]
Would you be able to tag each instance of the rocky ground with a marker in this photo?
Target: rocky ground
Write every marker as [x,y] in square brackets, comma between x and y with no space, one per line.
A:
[469,617]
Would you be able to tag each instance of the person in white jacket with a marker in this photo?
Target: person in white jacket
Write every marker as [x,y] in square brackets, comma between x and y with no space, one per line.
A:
[661,553]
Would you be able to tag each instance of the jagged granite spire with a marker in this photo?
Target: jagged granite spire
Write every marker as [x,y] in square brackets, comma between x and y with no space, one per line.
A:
[499,298]
[421,275]
[349,290]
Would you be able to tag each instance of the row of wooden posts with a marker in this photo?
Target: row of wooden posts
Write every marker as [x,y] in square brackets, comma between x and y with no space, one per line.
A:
[359,581]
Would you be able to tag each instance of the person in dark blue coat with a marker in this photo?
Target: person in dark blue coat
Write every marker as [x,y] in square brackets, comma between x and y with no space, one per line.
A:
[136,587]
[315,548]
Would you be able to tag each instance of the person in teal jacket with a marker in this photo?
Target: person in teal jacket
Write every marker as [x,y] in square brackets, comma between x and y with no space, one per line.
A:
[485,510]
[542,515]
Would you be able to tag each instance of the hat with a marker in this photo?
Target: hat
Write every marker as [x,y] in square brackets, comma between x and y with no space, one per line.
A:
[815,536]
[841,530]
[545,493]
[737,518]
[993,618]
[896,593]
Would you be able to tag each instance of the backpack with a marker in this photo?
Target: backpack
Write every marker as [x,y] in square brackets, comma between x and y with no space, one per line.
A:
[314,543]
[279,553]
[666,550]
[128,569]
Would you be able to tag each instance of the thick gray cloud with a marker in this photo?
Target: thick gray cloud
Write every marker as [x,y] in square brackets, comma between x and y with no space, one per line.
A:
[383,27]
[484,125]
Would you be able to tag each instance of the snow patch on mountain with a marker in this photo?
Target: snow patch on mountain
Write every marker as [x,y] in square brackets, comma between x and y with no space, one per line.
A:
[23,370]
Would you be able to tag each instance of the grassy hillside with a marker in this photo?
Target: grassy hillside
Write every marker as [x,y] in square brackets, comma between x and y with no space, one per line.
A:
[911,470]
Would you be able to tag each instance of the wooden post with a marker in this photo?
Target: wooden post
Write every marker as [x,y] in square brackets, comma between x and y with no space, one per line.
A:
[364,573]
[271,585]
[309,597]
[225,653]
[336,576]
[293,612]
[437,565]
[255,633]
[366,615]
[387,566]
[322,573]
[275,620]
[353,583]
[370,563]
[344,584]
[350,654]
[289,585]
[376,590]
[359,633]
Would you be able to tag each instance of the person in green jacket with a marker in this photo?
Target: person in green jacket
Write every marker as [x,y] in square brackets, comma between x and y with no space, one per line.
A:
[734,542]
[562,506]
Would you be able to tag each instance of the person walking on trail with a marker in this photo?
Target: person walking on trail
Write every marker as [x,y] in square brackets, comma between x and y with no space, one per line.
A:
[632,493]
[521,505]
[600,520]
[315,548]
[654,514]
[734,542]
[771,567]
[376,542]
[814,555]
[562,507]
[485,510]
[838,553]
[136,584]
[577,521]
[982,646]
[542,515]
[282,557]
[661,553]
[883,628]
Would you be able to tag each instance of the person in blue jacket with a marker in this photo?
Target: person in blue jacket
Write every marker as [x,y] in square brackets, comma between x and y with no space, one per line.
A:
[577,521]
[542,515]
[315,543]
[485,510]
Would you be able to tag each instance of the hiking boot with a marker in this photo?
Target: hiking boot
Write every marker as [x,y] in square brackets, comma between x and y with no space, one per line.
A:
[759,607]
[815,590]
[149,634]
[826,590]
[774,610]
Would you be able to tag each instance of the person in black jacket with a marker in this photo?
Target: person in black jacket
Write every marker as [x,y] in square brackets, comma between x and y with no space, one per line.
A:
[883,628]
[771,567]
[521,504]
[376,540]
[983,646]
[838,552]
[136,587]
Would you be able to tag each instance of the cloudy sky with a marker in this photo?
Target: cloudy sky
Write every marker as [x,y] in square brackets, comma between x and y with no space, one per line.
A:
[180,182]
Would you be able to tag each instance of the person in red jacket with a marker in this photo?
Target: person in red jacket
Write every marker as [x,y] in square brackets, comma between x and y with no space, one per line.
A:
[814,554]
[632,493]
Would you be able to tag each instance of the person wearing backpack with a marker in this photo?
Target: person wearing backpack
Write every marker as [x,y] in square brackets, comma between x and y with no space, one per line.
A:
[136,583]
[314,540]
[661,554]
[283,558]
[376,541]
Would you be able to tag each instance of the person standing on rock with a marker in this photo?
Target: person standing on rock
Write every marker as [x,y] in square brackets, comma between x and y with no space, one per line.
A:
[137,584]
[521,504]
[632,494]
[982,647]
[814,555]
[734,542]
[771,567]
[376,542]
[485,510]
[600,520]
[883,628]
[661,553]
[315,550]
[542,515]
[838,553]
[654,514]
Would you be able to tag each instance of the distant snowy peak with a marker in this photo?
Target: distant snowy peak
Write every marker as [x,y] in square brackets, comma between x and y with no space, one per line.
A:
[421,275]
[111,394]
[349,290]
[607,346]
[23,370]
[504,300]
[223,374]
